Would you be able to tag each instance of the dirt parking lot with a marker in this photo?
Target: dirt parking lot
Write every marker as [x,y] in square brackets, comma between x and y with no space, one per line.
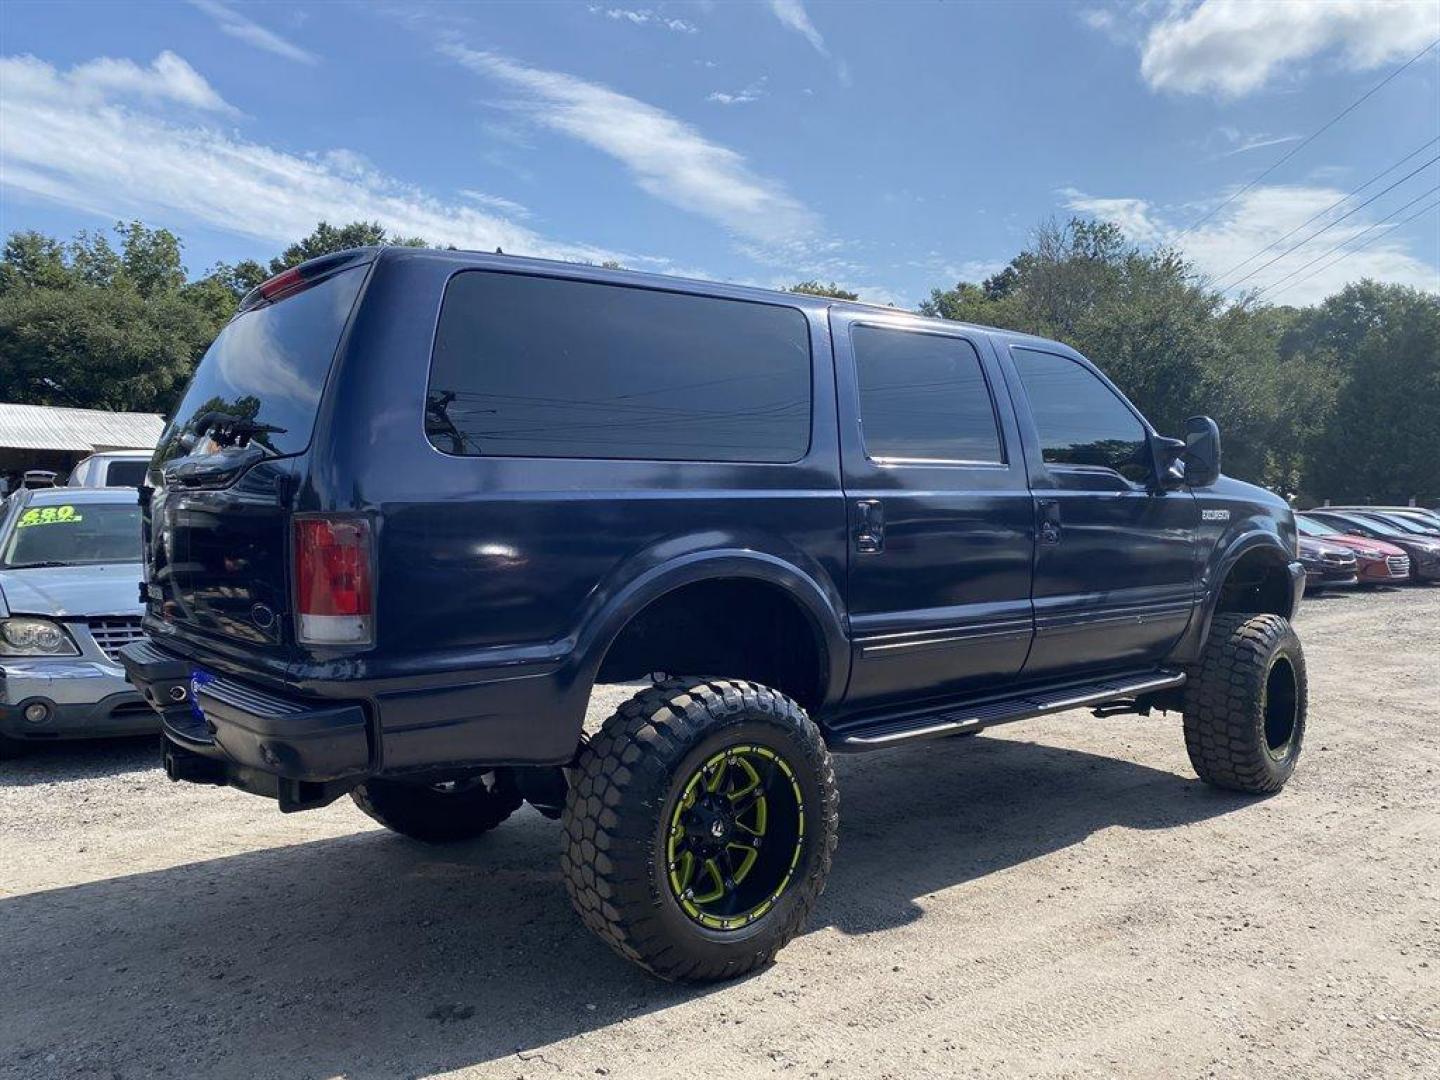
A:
[1058,898]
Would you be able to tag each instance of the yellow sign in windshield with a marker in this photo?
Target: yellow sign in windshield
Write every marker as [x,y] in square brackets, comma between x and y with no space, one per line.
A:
[49,515]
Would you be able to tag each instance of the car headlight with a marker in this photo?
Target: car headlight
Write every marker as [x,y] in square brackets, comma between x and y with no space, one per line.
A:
[35,637]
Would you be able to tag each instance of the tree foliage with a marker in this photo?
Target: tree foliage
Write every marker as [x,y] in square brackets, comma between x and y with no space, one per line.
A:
[816,288]
[89,324]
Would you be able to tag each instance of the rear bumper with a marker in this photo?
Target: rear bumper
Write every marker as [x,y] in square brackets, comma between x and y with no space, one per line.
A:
[221,731]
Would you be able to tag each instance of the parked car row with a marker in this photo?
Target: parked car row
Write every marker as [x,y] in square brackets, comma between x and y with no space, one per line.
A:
[1386,545]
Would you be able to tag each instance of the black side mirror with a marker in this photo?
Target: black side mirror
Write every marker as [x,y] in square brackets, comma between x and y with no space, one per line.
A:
[1202,451]
[1167,454]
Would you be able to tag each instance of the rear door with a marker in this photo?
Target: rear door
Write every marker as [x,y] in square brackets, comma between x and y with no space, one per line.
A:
[1115,559]
[940,519]
[217,525]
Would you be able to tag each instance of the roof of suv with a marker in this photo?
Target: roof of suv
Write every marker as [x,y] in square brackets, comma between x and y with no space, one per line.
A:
[492,261]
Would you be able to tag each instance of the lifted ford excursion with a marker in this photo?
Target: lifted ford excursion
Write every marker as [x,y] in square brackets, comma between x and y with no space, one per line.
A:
[416,504]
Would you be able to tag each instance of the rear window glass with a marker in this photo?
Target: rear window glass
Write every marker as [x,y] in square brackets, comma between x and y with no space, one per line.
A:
[269,365]
[542,367]
[125,474]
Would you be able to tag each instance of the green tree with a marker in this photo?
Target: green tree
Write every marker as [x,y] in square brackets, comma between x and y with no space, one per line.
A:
[1381,440]
[32,260]
[815,288]
[88,325]
[327,239]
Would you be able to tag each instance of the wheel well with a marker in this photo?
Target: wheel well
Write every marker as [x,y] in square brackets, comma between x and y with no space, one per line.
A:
[735,627]
[1259,583]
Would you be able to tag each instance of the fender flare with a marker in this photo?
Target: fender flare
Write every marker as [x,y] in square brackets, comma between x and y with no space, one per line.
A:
[1240,546]
[611,613]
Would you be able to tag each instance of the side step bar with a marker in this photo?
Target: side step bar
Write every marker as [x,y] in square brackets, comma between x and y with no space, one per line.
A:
[947,720]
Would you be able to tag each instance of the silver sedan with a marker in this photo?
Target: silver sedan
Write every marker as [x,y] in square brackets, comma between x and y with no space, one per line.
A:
[69,599]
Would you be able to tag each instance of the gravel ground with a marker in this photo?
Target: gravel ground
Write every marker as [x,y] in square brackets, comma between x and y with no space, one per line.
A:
[1058,898]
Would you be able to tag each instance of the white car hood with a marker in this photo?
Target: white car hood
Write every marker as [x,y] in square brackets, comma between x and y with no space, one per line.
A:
[109,589]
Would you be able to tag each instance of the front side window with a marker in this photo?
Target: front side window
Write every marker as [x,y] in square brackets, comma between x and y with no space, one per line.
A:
[544,367]
[923,397]
[1080,420]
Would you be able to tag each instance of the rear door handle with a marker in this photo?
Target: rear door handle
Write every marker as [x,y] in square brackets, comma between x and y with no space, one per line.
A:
[1049,512]
[869,526]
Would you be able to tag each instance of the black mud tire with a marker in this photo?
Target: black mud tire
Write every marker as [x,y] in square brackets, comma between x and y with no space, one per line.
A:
[440,814]
[1245,704]
[623,791]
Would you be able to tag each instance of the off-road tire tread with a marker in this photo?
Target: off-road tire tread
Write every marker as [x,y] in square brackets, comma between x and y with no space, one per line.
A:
[606,847]
[1222,698]
[422,814]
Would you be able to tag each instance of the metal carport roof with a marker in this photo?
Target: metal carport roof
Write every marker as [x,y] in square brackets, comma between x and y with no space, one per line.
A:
[52,427]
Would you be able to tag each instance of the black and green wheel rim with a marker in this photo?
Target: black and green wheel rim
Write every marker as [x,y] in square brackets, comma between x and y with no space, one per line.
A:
[735,837]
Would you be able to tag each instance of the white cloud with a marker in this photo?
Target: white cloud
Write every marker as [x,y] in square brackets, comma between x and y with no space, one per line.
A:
[643,17]
[1241,143]
[754,92]
[792,14]
[168,80]
[668,158]
[509,207]
[1233,47]
[1261,217]
[1134,216]
[249,31]
[77,139]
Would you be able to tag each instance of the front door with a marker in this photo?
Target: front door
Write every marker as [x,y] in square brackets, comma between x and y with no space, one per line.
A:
[1115,557]
[941,522]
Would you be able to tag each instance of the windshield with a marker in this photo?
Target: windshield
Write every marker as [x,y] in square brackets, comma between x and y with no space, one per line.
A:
[1311,527]
[1375,525]
[1419,528]
[77,534]
[269,366]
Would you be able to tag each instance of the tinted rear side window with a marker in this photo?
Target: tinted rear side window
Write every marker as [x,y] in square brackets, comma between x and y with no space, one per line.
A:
[1081,421]
[269,365]
[542,367]
[923,397]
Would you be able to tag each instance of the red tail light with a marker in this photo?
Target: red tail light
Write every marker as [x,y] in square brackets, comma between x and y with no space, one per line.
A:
[282,283]
[334,582]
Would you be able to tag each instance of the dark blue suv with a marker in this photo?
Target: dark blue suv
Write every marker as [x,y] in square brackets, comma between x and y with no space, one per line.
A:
[416,504]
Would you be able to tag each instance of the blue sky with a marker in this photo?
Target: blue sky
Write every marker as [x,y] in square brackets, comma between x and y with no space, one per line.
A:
[892,148]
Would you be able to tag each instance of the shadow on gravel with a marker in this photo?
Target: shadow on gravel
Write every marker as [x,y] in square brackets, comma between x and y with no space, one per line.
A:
[369,955]
[79,759]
